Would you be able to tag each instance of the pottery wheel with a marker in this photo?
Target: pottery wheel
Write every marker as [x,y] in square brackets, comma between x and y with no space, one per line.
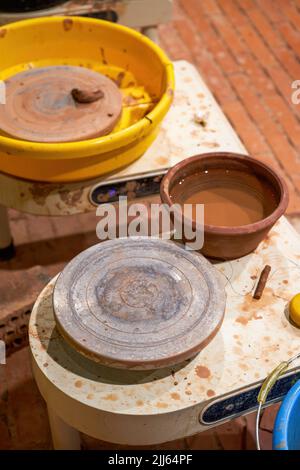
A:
[138,303]
[40,107]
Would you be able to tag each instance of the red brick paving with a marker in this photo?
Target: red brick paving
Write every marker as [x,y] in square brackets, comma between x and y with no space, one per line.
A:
[247,51]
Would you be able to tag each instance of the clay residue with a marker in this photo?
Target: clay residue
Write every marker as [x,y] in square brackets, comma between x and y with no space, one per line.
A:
[67,24]
[161,404]
[90,396]
[271,349]
[242,320]
[78,384]
[238,351]
[40,191]
[282,445]
[111,397]
[71,198]
[211,145]
[129,100]
[84,96]
[210,393]
[120,79]
[33,333]
[139,403]
[202,372]
[170,92]
[175,396]
[253,307]
[269,240]
[162,160]
[102,52]
[195,134]
[3,32]
[188,392]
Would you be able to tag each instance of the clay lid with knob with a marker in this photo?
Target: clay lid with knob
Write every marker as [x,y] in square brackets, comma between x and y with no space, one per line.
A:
[139,303]
[60,104]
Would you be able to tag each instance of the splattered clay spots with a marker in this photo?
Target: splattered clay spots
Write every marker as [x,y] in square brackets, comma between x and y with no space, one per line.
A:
[202,372]
[67,24]
[175,396]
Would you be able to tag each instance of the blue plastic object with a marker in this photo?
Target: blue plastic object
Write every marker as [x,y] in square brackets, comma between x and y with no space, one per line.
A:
[286,434]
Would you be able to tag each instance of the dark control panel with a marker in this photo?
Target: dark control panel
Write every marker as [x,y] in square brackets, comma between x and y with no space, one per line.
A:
[139,187]
[244,402]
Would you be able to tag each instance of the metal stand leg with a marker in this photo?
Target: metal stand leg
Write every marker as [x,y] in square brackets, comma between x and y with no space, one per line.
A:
[64,437]
[151,33]
[7,250]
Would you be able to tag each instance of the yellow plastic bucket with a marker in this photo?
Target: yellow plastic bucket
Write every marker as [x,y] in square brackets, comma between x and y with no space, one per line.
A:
[119,52]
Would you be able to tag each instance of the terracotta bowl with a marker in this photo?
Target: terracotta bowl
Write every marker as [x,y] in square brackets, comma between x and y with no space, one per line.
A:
[260,182]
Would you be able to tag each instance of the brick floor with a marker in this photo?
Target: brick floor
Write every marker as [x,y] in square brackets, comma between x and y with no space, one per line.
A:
[247,51]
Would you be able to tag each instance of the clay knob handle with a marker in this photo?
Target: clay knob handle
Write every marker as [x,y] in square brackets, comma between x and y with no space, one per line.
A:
[86,96]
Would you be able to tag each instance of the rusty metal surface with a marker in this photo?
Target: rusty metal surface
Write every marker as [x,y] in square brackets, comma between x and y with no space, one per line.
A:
[180,137]
[139,303]
[255,336]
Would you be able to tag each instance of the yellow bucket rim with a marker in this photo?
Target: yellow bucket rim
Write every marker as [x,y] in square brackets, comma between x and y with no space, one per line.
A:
[110,142]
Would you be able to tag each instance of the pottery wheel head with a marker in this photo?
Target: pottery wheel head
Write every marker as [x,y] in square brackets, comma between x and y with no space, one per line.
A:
[40,107]
[139,303]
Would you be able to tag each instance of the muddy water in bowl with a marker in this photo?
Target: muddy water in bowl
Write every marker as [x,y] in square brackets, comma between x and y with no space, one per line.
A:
[231,198]
[242,198]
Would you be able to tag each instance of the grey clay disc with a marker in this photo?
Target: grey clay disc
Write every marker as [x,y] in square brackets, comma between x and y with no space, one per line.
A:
[139,303]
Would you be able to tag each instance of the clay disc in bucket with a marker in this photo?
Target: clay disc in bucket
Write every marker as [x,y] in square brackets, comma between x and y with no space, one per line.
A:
[40,106]
[138,303]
